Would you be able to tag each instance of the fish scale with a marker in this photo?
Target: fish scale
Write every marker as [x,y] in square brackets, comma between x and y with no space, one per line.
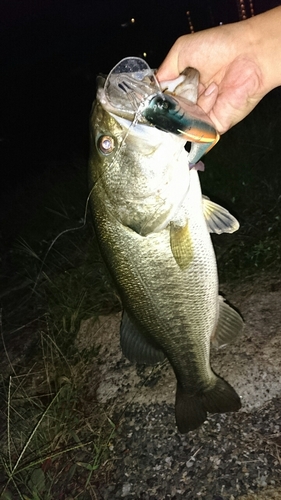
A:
[153,228]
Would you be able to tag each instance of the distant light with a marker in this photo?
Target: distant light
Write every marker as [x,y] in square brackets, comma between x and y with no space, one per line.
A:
[191,28]
[221,23]
[144,54]
[128,23]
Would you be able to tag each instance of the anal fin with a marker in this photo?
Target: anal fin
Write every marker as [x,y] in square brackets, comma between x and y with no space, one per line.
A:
[135,346]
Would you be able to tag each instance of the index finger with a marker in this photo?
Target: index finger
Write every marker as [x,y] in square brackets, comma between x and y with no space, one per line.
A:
[169,68]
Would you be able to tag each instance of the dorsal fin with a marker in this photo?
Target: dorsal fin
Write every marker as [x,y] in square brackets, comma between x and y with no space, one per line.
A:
[230,325]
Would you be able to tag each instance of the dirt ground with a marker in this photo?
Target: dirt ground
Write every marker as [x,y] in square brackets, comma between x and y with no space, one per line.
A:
[230,456]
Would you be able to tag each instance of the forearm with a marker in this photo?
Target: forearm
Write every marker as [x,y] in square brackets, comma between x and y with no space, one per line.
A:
[265,36]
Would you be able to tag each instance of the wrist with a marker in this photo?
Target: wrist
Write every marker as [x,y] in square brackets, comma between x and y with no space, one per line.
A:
[265,47]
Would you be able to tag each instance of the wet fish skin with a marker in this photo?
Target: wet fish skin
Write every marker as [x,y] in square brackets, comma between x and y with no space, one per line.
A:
[154,236]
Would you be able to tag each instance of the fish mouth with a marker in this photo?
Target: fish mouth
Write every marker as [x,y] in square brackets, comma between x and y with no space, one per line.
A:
[132,92]
[128,85]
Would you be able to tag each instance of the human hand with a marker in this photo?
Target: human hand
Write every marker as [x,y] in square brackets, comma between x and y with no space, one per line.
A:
[231,72]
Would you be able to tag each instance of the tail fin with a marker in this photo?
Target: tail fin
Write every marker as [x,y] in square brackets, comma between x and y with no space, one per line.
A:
[191,411]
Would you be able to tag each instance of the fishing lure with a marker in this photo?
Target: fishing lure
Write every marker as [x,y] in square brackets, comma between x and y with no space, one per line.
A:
[181,117]
[132,86]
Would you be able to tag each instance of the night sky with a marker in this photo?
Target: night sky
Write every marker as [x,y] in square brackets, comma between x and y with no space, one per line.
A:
[51,52]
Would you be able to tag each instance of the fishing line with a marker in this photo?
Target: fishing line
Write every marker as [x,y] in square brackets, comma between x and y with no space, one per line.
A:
[84,220]
[138,118]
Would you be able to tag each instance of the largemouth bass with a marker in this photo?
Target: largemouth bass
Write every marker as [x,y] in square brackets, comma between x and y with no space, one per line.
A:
[153,226]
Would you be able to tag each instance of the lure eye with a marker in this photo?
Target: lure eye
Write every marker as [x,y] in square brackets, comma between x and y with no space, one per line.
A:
[161,103]
[106,144]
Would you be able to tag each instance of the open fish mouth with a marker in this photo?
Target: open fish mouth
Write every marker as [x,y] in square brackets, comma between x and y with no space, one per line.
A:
[131,91]
[129,84]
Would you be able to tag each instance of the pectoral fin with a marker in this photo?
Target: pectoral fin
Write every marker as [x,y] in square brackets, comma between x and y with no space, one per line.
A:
[218,219]
[230,325]
[181,245]
[135,346]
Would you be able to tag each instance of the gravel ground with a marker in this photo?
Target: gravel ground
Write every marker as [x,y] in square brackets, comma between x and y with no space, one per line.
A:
[232,456]
[229,456]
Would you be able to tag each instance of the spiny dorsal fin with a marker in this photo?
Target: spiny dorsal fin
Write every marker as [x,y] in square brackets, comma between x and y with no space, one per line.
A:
[181,244]
[218,219]
[230,325]
[135,346]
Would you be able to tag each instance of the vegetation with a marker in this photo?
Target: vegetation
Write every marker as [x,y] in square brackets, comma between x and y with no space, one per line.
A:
[52,437]
[54,440]
[243,174]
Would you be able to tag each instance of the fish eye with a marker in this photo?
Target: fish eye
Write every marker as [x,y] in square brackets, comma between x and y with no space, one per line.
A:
[106,144]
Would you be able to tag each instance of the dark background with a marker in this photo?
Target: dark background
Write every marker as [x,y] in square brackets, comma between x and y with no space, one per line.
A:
[51,52]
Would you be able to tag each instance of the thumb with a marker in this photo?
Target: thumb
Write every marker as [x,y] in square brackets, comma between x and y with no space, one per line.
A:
[208,97]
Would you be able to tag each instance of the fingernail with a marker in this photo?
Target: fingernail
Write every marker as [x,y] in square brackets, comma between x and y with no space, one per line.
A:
[209,90]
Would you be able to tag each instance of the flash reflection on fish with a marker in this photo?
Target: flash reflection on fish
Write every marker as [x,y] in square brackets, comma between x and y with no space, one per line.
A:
[153,225]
